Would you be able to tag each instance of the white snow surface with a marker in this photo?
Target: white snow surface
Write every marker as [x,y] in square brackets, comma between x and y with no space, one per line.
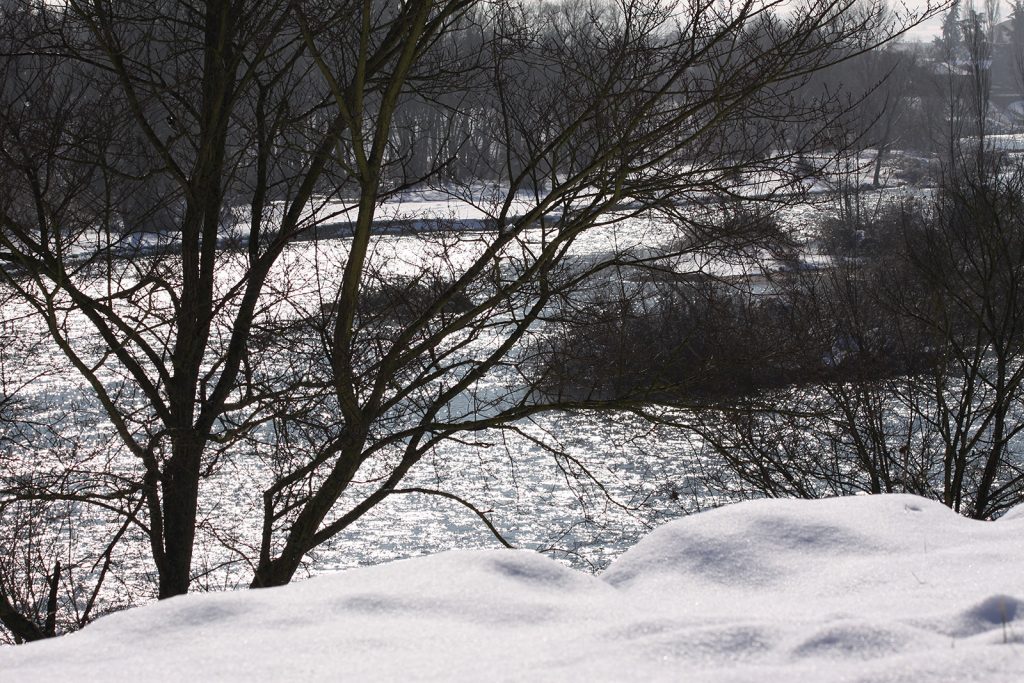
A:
[868,588]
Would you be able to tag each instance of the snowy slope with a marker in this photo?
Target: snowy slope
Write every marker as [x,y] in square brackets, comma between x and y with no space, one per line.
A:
[887,588]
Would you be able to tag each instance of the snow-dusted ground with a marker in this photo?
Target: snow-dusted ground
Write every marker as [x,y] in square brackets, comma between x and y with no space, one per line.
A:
[886,588]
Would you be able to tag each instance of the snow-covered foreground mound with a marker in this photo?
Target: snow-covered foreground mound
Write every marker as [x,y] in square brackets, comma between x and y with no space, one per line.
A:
[886,588]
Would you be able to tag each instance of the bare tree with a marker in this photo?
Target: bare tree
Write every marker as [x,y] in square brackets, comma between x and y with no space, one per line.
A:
[162,161]
[925,328]
[110,102]
[969,261]
[608,112]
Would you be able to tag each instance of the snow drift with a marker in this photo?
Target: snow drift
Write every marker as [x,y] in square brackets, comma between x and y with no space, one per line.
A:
[882,588]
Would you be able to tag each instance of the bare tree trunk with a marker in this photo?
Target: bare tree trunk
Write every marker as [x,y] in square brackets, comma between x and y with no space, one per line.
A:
[180,489]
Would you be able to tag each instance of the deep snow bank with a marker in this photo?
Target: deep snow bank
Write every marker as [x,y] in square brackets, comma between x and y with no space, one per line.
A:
[886,588]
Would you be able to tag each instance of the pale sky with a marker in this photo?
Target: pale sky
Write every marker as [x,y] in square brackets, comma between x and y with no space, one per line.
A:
[925,31]
[931,28]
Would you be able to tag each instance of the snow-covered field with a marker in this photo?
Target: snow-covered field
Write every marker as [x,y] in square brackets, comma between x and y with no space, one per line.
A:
[885,588]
